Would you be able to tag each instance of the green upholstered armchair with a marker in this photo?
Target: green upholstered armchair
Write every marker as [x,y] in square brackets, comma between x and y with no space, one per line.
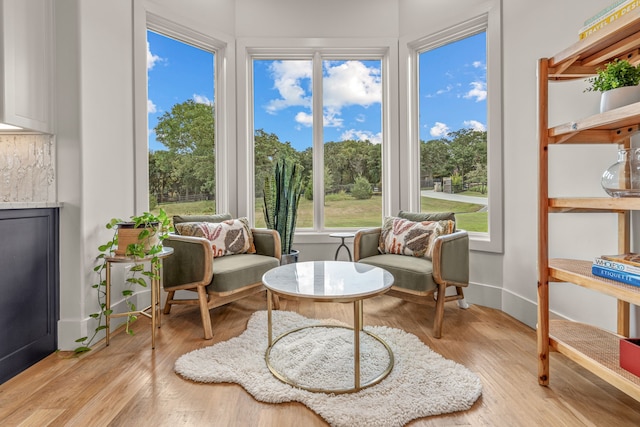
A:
[217,281]
[420,279]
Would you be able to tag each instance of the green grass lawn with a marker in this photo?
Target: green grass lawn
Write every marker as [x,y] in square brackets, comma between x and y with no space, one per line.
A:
[343,211]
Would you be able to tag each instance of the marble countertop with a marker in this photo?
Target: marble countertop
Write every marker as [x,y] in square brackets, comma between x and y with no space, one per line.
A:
[29,205]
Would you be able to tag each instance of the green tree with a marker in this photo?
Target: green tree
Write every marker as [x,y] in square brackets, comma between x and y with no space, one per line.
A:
[435,159]
[478,176]
[374,163]
[328,180]
[361,188]
[268,148]
[187,129]
[188,133]
[468,148]
[349,159]
[308,190]
[163,175]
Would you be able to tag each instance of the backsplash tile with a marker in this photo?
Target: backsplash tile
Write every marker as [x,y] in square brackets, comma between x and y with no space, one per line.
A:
[27,168]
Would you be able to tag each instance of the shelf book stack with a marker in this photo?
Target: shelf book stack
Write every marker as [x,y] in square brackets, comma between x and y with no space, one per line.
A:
[624,268]
[607,15]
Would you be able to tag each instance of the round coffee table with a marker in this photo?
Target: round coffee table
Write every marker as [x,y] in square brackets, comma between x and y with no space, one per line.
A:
[328,281]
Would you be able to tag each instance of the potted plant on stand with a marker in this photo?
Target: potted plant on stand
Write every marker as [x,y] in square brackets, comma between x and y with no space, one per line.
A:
[281,195]
[139,237]
[618,82]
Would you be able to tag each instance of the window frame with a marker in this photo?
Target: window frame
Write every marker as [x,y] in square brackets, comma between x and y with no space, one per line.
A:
[224,105]
[492,241]
[317,50]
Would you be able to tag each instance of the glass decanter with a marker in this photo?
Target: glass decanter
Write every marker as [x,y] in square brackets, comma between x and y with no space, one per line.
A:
[622,179]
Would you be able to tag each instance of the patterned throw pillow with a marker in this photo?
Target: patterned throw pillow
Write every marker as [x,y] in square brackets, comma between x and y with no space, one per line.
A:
[403,237]
[228,237]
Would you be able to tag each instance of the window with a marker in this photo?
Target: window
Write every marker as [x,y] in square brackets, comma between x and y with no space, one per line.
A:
[324,109]
[180,109]
[352,100]
[181,118]
[282,98]
[456,92]
[453,130]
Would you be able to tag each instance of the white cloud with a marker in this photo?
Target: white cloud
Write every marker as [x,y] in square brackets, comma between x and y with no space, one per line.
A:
[478,64]
[445,90]
[202,99]
[351,83]
[288,77]
[151,58]
[347,83]
[304,119]
[439,130]
[329,119]
[475,125]
[361,135]
[151,107]
[478,91]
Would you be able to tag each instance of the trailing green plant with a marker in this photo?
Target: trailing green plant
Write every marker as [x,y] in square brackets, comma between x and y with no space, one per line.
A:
[619,73]
[362,188]
[281,196]
[150,225]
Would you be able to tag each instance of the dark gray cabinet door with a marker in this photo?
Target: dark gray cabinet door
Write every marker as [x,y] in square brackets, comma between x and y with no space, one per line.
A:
[28,288]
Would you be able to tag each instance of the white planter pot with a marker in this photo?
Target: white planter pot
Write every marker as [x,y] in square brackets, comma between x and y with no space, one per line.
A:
[619,97]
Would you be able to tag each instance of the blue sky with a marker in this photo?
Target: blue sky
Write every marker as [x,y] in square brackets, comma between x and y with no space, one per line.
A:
[452,91]
[453,88]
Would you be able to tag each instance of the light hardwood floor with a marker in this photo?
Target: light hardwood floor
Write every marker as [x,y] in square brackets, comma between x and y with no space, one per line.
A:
[128,384]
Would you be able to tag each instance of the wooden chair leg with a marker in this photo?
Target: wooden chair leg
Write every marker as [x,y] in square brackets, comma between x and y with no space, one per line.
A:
[204,312]
[167,303]
[437,322]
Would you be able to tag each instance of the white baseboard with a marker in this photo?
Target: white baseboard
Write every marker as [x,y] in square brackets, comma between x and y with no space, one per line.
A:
[69,330]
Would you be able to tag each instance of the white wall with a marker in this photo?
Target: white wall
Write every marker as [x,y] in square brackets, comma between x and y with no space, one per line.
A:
[312,18]
[96,129]
[531,33]
[95,122]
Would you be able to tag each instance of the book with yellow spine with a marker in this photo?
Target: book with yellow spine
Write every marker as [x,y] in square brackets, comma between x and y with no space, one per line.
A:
[627,6]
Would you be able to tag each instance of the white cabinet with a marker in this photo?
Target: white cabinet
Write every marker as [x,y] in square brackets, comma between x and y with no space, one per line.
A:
[26,84]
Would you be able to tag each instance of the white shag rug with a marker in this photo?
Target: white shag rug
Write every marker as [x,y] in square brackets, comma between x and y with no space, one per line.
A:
[422,383]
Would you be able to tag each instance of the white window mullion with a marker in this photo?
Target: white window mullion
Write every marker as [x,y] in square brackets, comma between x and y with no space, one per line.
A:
[318,144]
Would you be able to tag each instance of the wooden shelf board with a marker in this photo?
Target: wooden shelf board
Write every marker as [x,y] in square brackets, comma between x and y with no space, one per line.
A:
[593,204]
[596,350]
[579,273]
[608,127]
[613,40]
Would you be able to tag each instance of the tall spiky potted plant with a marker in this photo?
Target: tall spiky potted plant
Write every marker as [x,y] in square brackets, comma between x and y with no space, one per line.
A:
[281,195]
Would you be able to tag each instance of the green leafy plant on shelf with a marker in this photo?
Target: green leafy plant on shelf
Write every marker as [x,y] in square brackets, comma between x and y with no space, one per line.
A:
[153,229]
[619,73]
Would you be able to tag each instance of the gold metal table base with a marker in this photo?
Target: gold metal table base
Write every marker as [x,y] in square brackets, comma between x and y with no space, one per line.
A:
[154,309]
[357,328]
